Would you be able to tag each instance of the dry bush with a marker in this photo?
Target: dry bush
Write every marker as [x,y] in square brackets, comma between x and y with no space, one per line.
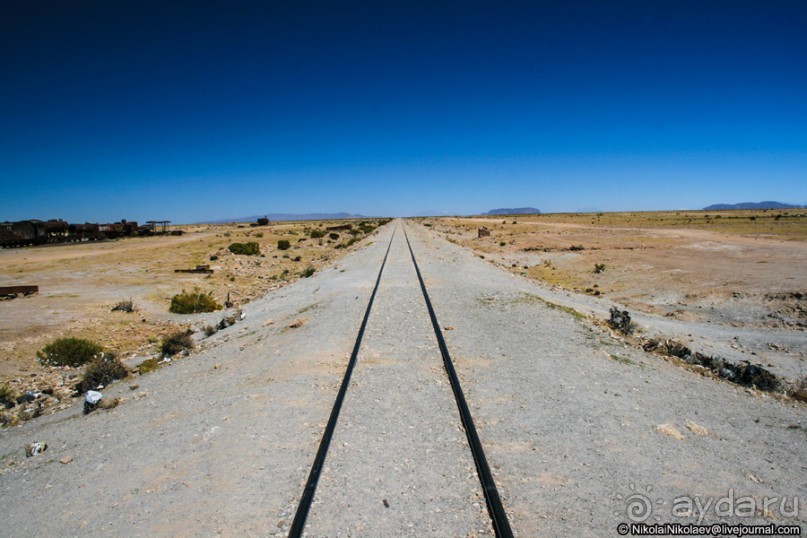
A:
[620,321]
[102,371]
[127,306]
[245,249]
[193,303]
[177,342]
[69,352]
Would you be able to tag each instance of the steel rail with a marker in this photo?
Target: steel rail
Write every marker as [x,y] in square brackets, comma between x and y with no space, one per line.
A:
[495,509]
[303,508]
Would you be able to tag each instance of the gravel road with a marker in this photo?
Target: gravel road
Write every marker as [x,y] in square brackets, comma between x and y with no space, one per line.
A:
[573,423]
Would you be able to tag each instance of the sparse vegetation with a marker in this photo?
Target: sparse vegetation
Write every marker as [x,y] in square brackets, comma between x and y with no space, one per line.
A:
[193,303]
[246,249]
[127,306]
[69,352]
[283,244]
[317,234]
[7,394]
[333,235]
[102,371]
[210,330]
[177,342]
[620,321]
[599,268]
[148,365]
[308,272]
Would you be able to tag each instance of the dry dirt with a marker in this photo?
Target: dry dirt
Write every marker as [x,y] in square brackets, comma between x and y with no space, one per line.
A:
[730,274]
[80,283]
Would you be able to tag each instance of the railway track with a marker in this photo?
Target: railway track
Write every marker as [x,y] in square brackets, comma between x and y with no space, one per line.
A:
[495,509]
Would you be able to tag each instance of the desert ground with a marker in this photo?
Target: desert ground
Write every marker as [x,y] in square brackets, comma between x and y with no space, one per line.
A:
[576,419]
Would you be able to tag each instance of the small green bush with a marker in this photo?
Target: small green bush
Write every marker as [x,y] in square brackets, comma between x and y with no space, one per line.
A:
[247,249]
[102,371]
[210,330]
[176,342]
[308,272]
[148,365]
[193,303]
[333,235]
[69,352]
[599,268]
[283,245]
[317,234]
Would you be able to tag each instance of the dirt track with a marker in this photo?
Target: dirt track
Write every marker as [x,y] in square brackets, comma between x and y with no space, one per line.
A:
[221,442]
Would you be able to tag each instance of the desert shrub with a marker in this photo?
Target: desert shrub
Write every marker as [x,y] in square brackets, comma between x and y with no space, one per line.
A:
[69,352]
[620,321]
[176,342]
[316,234]
[297,258]
[193,303]
[577,248]
[7,394]
[333,235]
[366,227]
[148,365]
[102,371]
[258,234]
[213,258]
[210,330]
[247,249]
[127,306]
[283,244]
[308,272]
[599,268]
[502,243]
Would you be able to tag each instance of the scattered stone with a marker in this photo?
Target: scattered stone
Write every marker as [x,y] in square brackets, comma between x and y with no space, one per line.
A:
[697,429]
[35,448]
[65,460]
[134,387]
[670,431]
[297,323]
[109,403]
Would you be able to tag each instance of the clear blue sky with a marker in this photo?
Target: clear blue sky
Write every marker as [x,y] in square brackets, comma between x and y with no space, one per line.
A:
[203,110]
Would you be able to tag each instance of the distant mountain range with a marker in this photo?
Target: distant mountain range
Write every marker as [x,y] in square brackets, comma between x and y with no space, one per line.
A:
[752,205]
[280,217]
[514,211]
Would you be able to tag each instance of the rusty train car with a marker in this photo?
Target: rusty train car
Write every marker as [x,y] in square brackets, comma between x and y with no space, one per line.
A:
[36,232]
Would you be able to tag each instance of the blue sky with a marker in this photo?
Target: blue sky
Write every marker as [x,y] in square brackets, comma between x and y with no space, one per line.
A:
[204,110]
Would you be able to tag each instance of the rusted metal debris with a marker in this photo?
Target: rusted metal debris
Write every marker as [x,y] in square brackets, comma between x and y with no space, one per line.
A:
[13,291]
[197,269]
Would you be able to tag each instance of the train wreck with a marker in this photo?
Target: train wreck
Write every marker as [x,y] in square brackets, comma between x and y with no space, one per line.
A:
[37,232]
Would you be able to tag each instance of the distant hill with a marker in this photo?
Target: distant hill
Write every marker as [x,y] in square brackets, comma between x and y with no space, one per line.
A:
[752,205]
[514,211]
[279,217]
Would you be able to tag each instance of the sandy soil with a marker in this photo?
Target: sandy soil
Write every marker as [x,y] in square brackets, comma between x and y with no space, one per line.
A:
[80,283]
[741,284]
